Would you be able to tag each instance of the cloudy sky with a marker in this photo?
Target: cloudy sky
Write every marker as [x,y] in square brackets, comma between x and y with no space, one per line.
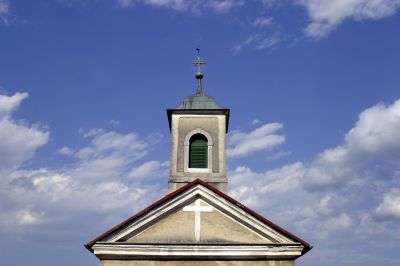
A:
[314,140]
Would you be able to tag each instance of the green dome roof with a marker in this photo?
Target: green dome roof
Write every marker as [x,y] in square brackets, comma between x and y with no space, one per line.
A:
[199,101]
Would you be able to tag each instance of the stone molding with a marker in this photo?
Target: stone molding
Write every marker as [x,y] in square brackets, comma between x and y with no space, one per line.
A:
[209,152]
[198,252]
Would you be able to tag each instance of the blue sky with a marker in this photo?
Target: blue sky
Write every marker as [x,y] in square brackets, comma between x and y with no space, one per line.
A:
[314,143]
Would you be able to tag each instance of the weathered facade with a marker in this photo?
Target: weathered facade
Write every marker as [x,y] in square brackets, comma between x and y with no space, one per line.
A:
[198,114]
[197,223]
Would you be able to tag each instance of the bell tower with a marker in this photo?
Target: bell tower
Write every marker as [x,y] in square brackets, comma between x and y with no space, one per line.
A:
[198,139]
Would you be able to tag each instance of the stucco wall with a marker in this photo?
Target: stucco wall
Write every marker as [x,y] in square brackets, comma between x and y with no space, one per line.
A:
[181,126]
[209,124]
[223,186]
[216,227]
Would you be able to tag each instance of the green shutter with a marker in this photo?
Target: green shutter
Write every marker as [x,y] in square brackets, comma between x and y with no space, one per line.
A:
[198,154]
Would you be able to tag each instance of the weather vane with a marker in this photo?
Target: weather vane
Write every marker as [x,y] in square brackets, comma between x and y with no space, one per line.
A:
[199,75]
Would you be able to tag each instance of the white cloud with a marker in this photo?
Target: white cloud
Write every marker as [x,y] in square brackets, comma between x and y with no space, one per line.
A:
[173,4]
[330,168]
[374,137]
[20,218]
[269,3]
[104,178]
[151,169]
[196,6]
[223,6]
[280,196]
[114,123]
[19,141]
[268,42]
[252,38]
[258,40]
[279,155]
[42,201]
[326,15]
[126,3]
[389,208]
[113,143]
[27,217]
[71,3]
[377,132]
[111,154]
[276,180]
[10,103]
[340,222]
[265,190]
[103,181]
[65,151]
[5,11]
[347,194]
[262,22]
[262,138]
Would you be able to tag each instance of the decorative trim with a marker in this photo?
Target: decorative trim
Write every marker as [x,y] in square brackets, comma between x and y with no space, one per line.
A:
[186,151]
[198,131]
[160,251]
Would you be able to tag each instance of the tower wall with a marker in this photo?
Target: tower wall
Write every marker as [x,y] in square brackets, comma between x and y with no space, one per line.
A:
[183,126]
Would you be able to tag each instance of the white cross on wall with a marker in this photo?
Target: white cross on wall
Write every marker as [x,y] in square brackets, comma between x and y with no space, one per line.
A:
[197,209]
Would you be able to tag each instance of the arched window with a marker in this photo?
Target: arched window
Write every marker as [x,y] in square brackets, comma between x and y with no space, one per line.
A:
[198,151]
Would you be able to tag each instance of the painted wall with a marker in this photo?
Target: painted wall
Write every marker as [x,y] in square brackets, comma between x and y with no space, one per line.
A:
[181,126]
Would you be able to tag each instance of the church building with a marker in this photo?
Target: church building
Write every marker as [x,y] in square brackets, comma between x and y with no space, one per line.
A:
[197,223]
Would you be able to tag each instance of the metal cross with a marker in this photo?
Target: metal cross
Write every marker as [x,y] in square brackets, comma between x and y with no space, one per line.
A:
[199,61]
[197,209]
[199,75]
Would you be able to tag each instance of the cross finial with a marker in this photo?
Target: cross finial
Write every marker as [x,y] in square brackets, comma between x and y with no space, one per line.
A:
[199,74]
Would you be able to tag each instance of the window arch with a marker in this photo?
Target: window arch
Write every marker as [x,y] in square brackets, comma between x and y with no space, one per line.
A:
[198,140]
[198,151]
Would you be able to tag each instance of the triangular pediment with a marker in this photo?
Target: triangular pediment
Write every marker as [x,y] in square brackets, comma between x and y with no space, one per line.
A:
[197,215]
[198,222]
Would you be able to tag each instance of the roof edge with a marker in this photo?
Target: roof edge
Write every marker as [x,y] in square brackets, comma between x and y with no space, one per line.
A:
[142,212]
[307,246]
[258,216]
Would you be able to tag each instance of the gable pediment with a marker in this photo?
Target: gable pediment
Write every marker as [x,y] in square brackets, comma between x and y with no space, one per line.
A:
[202,224]
[198,221]
[198,216]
